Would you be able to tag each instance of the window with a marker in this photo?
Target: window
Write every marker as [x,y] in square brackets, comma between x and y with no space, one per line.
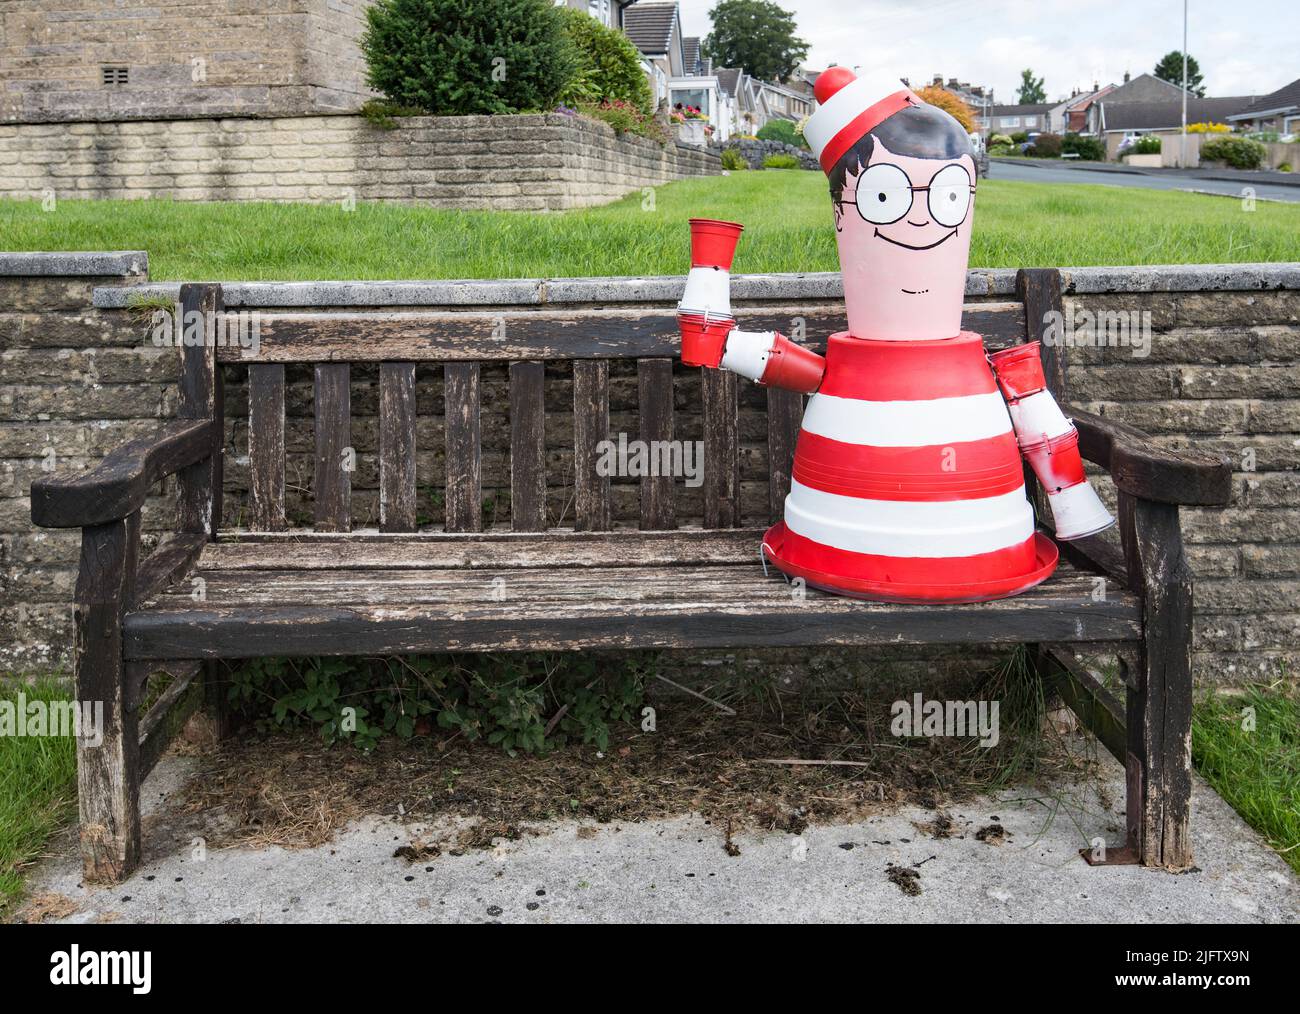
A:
[1031,121]
[116,75]
[1009,121]
[697,97]
[599,9]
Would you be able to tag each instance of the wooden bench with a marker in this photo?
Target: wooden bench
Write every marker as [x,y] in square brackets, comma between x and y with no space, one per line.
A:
[268,589]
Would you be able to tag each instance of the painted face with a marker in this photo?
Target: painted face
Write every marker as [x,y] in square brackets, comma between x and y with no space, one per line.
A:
[904,241]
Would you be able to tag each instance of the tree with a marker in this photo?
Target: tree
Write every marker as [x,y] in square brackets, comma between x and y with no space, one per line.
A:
[755,35]
[1031,89]
[1170,68]
[951,104]
[458,57]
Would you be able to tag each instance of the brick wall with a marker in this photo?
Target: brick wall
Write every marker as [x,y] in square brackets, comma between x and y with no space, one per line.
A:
[1221,373]
[535,163]
[183,57]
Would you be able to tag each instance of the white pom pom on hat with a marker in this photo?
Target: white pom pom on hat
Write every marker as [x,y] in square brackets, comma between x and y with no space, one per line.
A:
[850,108]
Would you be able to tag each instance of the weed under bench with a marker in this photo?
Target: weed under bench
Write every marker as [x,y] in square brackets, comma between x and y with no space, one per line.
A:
[268,589]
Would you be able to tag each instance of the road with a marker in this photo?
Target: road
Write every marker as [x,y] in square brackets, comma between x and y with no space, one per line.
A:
[1052,174]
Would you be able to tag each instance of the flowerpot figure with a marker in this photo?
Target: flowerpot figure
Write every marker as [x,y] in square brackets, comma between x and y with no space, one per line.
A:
[907,482]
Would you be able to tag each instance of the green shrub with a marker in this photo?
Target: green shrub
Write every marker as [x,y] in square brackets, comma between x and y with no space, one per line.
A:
[1001,140]
[460,57]
[384,115]
[1147,144]
[1238,152]
[1089,149]
[780,130]
[733,160]
[503,700]
[1020,137]
[1046,146]
[781,162]
[609,66]
[1285,167]
[1004,150]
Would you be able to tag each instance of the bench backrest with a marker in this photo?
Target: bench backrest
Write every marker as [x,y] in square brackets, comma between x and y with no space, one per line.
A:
[524,341]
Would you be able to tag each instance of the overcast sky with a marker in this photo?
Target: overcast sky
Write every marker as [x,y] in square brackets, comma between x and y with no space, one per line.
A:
[1245,47]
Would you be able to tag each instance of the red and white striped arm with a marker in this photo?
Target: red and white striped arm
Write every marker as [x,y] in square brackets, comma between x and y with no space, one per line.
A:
[1049,442]
[773,360]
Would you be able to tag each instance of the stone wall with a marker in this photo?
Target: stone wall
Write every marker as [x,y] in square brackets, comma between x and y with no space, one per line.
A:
[754,151]
[533,163]
[1220,372]
[182,58]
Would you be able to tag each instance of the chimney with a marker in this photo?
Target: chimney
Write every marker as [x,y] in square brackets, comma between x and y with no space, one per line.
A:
[938,81]
[952,82]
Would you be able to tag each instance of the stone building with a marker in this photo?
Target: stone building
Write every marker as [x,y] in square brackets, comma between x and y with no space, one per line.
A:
[64,60]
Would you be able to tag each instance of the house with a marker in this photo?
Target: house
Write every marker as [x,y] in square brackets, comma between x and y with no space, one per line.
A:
[783,102]
[1278,111]
[1071,115]
[1030,118]
[1120,121]
[748,112]
[679,74]
[608,12]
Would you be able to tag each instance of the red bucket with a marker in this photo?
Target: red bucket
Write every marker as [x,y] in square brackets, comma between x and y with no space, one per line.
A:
[704,338]
[713,243]
[1019,370]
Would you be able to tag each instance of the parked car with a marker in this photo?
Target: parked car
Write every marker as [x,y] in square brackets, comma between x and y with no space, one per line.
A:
[980,152]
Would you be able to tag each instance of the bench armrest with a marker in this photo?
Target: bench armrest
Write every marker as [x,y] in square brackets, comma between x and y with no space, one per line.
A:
[1147,472]
[118,485]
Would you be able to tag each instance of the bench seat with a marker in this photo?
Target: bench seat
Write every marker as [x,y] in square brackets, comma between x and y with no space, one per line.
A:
[385,594]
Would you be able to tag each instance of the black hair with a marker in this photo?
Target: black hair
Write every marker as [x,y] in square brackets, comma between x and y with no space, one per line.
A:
[922,131]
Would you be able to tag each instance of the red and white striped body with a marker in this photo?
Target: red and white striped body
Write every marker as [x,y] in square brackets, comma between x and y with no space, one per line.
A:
[907,481]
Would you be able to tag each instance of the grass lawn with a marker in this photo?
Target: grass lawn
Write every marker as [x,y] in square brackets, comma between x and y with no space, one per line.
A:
[786,213]
[38,793]
[1257,771]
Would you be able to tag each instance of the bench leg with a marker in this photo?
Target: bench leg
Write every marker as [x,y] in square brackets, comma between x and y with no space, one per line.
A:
[108,786]
[216,698]
[1159,705]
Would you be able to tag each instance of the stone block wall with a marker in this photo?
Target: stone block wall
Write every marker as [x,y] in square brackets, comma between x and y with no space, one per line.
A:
[1220,372]
[183,58]
[523,163]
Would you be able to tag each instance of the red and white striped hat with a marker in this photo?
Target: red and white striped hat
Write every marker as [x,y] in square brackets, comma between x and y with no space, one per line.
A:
[850,108]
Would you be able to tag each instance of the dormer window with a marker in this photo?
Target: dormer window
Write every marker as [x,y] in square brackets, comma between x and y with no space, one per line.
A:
[116,76]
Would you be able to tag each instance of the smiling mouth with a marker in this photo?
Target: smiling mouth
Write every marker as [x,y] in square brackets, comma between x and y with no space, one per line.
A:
[908,246]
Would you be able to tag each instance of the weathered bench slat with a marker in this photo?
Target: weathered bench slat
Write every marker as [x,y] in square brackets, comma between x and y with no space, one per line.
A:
[721,449]
[1042,615]
[397,507]
[621,333]
[464,448]
[730,585]
[202,396]
[266,445]
[590,428]
[528,447]
[433,550]
[655,396]
[784,417]
[334,452]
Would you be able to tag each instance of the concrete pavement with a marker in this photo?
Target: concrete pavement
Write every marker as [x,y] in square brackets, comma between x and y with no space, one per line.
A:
[890,868]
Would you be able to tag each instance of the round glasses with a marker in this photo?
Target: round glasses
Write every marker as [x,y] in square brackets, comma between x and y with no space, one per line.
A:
[884,195]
